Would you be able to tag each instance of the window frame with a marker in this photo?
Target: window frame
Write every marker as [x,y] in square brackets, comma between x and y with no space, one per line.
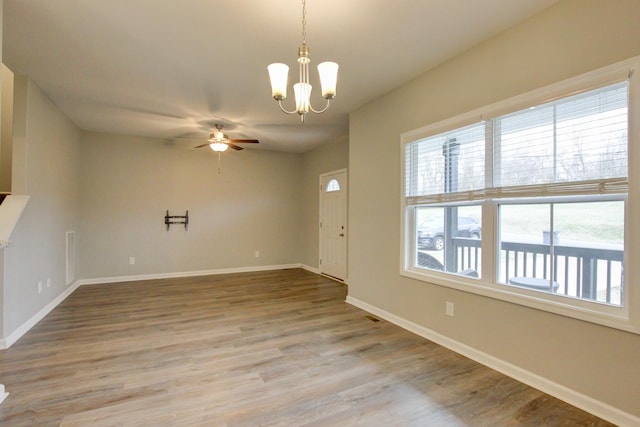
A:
[625,317]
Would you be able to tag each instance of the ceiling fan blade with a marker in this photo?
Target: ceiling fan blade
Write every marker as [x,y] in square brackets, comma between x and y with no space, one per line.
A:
[235,147]
[245,141]
[203,145]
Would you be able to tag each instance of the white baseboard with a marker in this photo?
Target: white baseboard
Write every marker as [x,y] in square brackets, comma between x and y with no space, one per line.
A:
[135,278]
[309,268]
[559,391]
[26,326]
[3,393]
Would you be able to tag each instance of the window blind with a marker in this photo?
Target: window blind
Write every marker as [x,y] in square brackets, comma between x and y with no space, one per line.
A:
[572,146]
[446,163]
[579,139]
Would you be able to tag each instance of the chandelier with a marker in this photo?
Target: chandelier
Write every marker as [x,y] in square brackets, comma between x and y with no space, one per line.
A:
[278,74]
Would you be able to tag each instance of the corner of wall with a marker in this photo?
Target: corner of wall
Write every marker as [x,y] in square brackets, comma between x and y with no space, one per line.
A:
[10,212]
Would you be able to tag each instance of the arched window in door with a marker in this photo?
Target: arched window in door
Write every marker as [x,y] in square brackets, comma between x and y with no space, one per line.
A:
[333,185]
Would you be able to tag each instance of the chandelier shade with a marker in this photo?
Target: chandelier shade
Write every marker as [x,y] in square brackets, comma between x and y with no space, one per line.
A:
[303,97]
[328,78]
[278,74]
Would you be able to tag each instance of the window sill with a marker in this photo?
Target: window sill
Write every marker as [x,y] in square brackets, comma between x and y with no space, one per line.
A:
[593,312]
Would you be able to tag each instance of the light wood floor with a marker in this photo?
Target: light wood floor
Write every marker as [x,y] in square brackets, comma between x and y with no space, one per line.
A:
[277,348]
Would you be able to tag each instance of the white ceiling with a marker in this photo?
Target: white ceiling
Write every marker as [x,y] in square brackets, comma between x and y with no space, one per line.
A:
[169,68]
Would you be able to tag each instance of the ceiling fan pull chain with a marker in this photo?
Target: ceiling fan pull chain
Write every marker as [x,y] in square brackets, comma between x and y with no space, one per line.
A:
[219,161]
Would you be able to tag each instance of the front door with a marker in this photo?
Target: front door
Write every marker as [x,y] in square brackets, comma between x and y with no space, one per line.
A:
[333,224]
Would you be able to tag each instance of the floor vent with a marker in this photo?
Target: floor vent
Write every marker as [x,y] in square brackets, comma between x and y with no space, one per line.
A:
[373,319]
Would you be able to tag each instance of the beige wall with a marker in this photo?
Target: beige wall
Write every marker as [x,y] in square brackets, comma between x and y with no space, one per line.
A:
[6,128]
[128,183]
[573,37]
[2,330]
[49,173]
[326,158]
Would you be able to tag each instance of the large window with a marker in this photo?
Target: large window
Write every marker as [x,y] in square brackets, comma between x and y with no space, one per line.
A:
[529,203]
[439,169]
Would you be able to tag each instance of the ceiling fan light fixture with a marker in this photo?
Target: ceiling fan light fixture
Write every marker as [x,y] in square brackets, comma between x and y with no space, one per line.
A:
[278,75]
[218,146]
[217,136]
[219,141]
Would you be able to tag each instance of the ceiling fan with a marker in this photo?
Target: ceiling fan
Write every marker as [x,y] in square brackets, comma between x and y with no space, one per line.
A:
[219,141]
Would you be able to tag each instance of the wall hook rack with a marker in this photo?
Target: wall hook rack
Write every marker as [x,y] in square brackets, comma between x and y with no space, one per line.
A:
[176,219]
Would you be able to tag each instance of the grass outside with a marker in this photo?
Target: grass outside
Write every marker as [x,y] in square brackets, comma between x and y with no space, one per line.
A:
[596,222]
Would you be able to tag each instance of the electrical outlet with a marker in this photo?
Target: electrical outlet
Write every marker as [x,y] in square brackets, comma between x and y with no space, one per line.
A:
[132,260]
[40,287]
[257,254]
[449,308]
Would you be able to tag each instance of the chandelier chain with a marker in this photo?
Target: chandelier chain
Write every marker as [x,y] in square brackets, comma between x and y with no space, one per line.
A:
[304,22]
